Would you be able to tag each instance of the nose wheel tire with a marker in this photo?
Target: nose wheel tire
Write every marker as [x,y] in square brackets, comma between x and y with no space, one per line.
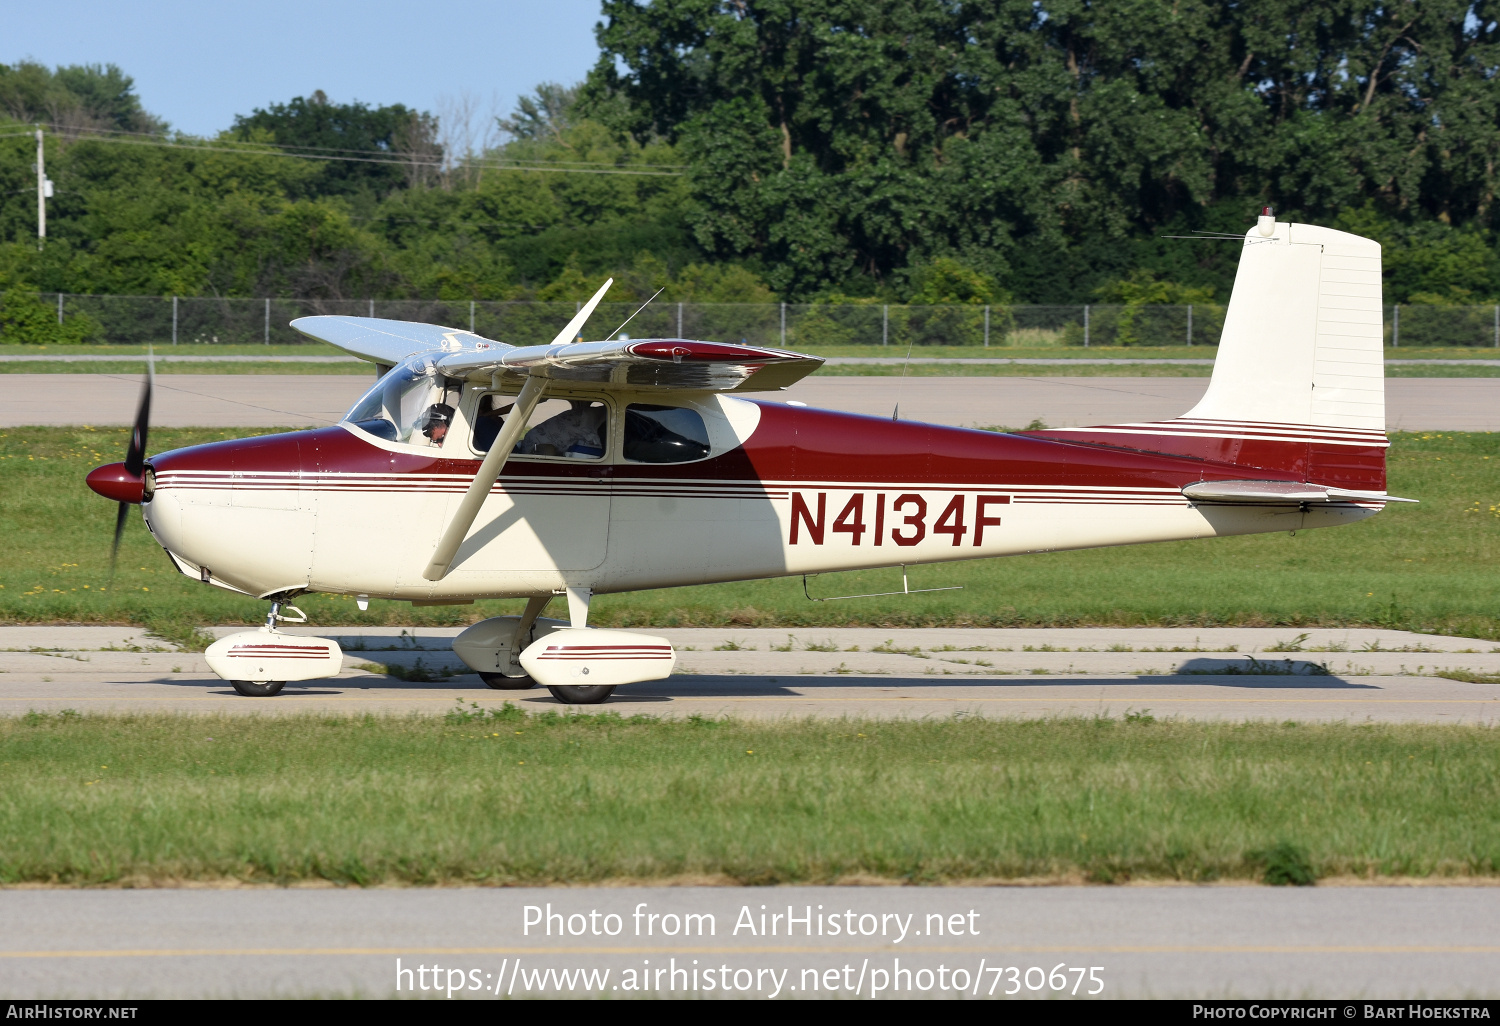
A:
[258,688]
[500,682]
[591,694]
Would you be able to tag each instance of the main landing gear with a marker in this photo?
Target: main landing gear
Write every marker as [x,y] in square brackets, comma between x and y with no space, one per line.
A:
[494,649]
[258,664]
[579,665]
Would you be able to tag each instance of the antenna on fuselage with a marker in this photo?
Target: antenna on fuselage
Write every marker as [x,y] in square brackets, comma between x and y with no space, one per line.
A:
[643,306]
[906,589]
[896,413]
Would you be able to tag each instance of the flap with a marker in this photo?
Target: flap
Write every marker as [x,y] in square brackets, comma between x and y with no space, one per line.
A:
[383,341]
[1279,493]
[678,364]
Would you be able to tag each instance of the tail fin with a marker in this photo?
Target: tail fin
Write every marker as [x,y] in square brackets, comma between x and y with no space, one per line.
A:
[1302,337]
[1298,385]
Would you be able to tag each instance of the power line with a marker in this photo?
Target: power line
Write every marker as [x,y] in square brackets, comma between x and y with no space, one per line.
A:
[376,157]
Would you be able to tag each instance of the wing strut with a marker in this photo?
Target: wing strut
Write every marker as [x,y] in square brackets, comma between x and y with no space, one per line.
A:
[489,471]
[494,460]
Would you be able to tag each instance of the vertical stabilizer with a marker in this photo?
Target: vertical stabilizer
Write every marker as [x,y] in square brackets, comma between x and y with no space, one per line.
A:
[1298,386]
[1302,336]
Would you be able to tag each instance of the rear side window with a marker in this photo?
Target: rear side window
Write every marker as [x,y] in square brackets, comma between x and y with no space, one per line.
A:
[664,434]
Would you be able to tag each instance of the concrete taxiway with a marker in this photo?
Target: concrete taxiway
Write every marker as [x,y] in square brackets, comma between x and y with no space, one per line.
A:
[270,400]
[1219,674]
[1343,943]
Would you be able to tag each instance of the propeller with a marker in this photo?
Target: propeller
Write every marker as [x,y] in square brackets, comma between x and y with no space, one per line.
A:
[126,482]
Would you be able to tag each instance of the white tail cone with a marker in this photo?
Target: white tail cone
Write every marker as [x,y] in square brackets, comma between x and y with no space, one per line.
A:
[581,656]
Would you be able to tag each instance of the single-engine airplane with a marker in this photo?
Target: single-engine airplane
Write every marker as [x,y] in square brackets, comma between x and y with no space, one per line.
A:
[476,469]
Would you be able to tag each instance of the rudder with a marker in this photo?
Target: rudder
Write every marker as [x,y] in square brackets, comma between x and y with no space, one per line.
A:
[1298,384]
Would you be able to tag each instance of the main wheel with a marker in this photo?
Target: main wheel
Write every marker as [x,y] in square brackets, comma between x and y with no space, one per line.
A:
[588,694]
[258,688]
[500,682]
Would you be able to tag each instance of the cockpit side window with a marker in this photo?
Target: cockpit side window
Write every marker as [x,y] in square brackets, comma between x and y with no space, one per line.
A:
[575,429]
[664,434]
[412,404]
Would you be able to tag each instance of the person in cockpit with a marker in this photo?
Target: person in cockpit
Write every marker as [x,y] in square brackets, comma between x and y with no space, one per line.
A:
[435,422]
[577,432]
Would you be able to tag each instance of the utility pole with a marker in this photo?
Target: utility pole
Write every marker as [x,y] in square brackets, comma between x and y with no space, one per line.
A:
[43,191]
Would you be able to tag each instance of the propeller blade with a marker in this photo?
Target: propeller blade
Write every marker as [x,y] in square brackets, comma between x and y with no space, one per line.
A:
[569,333]
[114,550]
[135,454]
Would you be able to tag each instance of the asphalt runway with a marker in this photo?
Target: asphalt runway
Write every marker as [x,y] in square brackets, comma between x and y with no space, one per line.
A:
[1231,674]
[270,400]
[1344,943]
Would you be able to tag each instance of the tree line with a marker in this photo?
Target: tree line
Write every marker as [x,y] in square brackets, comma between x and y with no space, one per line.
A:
[984,151]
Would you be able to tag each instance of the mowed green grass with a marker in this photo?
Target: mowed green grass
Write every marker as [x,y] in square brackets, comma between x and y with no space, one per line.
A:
[564,799]
[1429,567]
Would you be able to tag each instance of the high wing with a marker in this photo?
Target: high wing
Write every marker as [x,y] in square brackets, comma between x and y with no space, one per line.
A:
[383,341]
[642,364]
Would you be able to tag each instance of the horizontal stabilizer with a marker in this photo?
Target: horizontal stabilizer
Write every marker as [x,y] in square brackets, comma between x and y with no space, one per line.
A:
[1263,493]
[642,364]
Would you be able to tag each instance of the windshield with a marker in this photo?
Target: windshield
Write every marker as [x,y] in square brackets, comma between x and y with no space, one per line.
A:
[412,404]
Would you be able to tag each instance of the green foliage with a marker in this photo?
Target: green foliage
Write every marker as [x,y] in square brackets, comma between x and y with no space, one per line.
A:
[948,154]
[406,138]
[1286,865]
[25,319]
[73,97]
[1134,323]
[945,280]
[1143,287]
[835,140]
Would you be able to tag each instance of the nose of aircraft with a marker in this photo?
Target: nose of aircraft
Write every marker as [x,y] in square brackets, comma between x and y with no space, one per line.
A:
[114,481]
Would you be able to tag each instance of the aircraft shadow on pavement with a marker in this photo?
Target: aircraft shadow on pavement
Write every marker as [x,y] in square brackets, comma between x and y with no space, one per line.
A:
[1249,673]
[725,686]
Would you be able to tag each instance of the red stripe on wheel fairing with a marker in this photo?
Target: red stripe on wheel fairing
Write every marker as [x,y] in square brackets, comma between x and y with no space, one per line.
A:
[598,659]
[280,648]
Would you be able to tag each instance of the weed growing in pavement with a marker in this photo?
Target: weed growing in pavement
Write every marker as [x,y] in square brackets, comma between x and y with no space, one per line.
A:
[1285,865]
[889,648]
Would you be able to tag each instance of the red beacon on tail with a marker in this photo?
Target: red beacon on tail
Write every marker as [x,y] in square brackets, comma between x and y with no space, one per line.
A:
[475,469]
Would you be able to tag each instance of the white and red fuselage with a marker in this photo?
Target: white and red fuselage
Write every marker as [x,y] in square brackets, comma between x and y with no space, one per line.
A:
[658,473]
[785,490]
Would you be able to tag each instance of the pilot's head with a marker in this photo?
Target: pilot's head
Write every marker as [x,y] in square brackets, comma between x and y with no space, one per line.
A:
[436,420]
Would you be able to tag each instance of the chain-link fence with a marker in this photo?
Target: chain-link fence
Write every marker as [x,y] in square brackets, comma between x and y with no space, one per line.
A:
[171,320]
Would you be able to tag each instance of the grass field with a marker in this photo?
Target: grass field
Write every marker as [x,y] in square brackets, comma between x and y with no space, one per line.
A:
[555,799]
[1428,567]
